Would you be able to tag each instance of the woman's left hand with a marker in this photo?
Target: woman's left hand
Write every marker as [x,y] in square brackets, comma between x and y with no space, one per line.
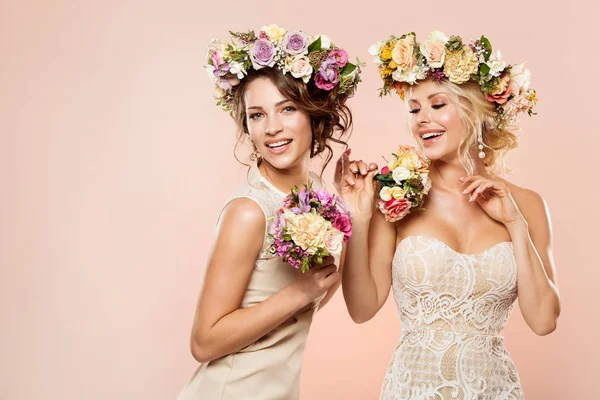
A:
[493,197]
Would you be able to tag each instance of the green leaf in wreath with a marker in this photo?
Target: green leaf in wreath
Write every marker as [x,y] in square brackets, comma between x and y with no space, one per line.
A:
[484,69]
[348,69]
[315,46]
[488,47]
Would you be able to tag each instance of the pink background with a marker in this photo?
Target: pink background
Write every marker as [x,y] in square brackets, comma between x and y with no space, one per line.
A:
[114,164]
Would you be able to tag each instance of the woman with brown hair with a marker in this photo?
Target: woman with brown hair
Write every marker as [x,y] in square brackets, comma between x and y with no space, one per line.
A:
[287,93]
[457,267]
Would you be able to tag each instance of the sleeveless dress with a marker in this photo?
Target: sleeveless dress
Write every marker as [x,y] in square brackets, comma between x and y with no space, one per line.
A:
[453,307]
[268,369]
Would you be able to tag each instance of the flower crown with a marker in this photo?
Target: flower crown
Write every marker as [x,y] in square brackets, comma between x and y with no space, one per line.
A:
[402,61]
[294,52]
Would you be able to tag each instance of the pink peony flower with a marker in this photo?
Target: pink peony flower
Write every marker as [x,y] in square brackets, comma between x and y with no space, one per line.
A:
[501,92]
[499,98]
[340,56]
[324,197]
[327,79]
[328,75]
[395,209]
[343,224]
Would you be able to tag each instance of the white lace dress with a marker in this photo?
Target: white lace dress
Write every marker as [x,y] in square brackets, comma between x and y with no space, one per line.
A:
[453,308]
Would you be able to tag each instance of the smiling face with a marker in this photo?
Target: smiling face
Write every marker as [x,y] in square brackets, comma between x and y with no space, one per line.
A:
[280,130]
[435,121]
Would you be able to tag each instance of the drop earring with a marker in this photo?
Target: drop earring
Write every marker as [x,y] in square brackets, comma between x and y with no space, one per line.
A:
[255,155]
[316,148]
[480,146]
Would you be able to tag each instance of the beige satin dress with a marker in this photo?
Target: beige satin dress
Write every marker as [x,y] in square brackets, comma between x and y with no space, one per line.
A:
[268,369]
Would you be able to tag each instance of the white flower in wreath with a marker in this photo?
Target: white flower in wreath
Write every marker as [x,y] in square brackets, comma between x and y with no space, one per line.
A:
[238,69]
[374,50]
[519,78]
[325,42]
[411,76]
[496,64]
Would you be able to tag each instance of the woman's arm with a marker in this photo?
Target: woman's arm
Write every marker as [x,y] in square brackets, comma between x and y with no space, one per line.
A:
[525,216]
[221,327]
[367,276]
[536,277]
[337,284]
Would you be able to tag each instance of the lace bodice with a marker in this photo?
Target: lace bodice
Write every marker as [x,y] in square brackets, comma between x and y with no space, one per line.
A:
[453,307]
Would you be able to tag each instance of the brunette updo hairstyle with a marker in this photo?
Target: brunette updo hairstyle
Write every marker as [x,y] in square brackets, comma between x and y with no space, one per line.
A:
[330,118]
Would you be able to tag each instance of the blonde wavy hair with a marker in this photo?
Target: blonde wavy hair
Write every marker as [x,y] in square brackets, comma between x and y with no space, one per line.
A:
[477,115]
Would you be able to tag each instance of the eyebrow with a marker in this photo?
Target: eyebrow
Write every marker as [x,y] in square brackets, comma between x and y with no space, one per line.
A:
[430,96]
[276,105]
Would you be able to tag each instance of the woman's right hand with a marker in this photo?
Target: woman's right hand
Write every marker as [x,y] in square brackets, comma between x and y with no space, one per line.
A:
[354,182]
[315,282]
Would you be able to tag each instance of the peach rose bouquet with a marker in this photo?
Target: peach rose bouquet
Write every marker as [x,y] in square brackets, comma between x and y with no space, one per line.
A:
[310,225]
[404,183]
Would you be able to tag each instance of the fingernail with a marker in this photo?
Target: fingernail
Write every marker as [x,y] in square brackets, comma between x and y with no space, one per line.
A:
[471,199]
[465,191]
[461,179]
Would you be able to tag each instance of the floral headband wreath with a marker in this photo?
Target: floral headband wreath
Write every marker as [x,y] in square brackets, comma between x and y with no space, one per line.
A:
[402,61]
[312,59]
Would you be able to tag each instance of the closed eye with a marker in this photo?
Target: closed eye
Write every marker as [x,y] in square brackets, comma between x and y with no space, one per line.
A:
[414,110]
[438,106]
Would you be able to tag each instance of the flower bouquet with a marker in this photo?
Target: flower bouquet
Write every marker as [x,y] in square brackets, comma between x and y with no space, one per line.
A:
[404,184]
[310,225]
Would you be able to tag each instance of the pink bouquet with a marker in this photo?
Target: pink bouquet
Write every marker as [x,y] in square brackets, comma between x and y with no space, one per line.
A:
[404,183]
[310,225]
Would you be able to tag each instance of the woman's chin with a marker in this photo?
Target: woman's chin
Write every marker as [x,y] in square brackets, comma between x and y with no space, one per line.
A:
[440,154]
[433,155]
[282,162]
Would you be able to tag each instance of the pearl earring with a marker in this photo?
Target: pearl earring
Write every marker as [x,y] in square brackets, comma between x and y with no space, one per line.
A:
[480,140]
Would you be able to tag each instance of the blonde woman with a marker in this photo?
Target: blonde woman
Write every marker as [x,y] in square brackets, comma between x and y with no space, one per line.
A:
[456,268]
